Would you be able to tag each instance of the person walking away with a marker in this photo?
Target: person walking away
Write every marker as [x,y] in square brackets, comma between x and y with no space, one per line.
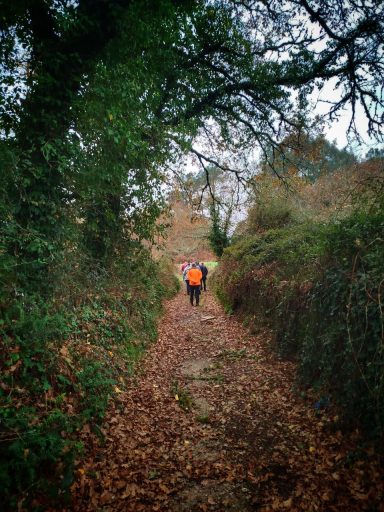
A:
[198,265]
[185,275]
[183,266]
[204,272]
[194,277]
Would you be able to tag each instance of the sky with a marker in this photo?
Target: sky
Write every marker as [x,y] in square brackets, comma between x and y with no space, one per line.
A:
[336,131]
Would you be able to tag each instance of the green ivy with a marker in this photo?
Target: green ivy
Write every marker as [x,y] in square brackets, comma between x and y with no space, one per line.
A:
[318,286]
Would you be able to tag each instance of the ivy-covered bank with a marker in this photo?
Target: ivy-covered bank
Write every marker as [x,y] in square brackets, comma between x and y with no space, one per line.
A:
[62,361]
[318,285]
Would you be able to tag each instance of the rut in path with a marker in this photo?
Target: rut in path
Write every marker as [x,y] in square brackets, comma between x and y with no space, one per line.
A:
[210,423]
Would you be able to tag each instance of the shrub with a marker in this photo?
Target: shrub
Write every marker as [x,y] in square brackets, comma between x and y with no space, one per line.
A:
[274,204]
[342,349]
[318,287]
[60,363]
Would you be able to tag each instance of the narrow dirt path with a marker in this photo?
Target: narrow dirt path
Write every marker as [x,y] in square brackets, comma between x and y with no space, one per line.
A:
[211,423]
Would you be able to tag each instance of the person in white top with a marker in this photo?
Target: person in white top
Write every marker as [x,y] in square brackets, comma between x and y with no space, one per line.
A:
[185,276]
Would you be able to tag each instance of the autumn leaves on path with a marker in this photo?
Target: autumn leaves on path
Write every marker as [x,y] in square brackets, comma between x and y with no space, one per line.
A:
[210,423]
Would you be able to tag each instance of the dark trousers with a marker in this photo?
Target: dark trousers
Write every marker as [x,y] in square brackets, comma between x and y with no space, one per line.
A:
[204,284]
[194,291]
[187,283]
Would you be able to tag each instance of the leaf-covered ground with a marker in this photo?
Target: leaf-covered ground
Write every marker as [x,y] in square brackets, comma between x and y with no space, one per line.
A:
[212,423]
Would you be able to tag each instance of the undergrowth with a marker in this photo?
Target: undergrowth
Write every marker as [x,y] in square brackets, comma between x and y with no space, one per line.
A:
[61,362]
[318,285]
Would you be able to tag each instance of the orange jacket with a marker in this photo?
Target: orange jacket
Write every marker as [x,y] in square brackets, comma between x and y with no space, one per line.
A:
[194,276]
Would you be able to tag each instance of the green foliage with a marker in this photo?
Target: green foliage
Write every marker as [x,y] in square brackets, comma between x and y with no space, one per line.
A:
[218,236]
[182,396]
[62,364]
[318,286]
[31,423]
[94,386]
[170,284]
[35,455]
[234,354]
[261,268]
[203,418]
[273,215]
[342,348]
[273,205]
[211,265]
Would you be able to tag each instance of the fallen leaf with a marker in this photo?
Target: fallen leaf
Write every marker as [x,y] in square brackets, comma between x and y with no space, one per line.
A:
[287,503]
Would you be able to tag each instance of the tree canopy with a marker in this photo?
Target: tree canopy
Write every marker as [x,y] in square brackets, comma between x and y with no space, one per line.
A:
[99,98]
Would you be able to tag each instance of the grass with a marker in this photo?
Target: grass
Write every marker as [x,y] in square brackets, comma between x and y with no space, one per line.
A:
[213,378]
[203,418]
[211,265]
[233,354]
[182,396]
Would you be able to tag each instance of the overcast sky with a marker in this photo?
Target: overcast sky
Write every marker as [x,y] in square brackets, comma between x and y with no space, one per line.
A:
[338,128]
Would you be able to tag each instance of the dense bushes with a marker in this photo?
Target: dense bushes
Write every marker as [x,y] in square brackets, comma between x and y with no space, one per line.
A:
[318,285]
[342,349]
[61,362]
